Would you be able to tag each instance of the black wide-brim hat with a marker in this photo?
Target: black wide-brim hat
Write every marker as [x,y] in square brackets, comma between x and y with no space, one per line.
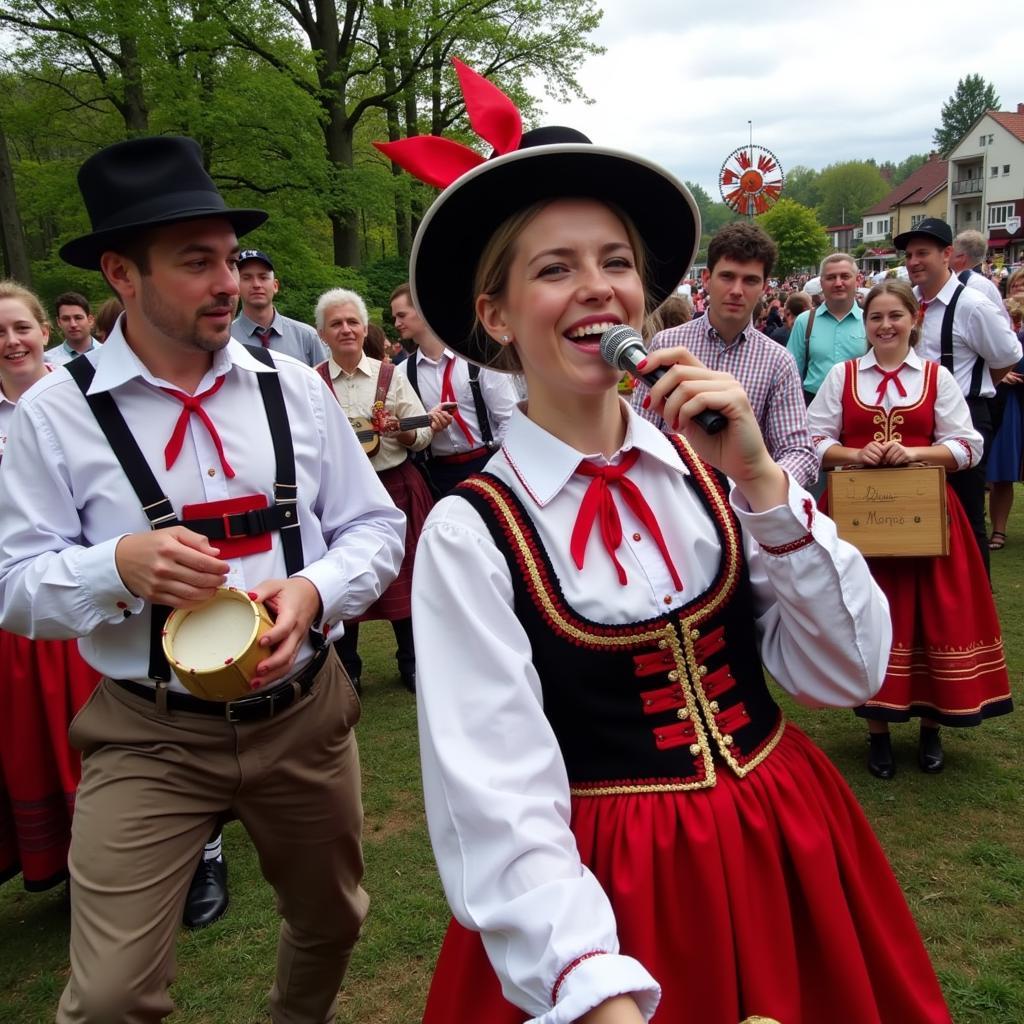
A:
[142,183]
[551,163]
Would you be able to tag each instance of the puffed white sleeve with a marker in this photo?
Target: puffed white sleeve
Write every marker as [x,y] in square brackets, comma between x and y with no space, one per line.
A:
[496,789]
[953,426]
[822,621]
[825,413]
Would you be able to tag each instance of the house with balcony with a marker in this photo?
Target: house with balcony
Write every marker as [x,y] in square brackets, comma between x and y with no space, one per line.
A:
[841,236]
[986,182]
[921,195]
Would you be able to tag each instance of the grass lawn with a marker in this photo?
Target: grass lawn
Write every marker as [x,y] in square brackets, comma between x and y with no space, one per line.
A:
[956,841]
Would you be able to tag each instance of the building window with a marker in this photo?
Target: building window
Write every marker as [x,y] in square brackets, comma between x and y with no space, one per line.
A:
[995,170]
[990,140]
[1006,168]
[981,140]
[916,219]
[999,214]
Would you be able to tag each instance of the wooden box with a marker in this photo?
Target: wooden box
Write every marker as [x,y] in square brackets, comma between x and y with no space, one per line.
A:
[894,512]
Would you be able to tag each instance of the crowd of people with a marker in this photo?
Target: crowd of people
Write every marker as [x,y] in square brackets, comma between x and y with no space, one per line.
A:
[584,592]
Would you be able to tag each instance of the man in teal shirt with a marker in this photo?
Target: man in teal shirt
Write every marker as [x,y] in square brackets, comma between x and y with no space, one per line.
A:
[837,330]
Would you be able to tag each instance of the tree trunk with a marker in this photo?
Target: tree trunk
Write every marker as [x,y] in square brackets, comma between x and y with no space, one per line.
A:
[403,235]
[344,221]
[134,111]
[12,238]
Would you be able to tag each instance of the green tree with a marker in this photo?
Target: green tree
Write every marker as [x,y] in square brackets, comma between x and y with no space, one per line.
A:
[972,98]
[802,186]
[847,189]
[713,215]
[801,239]
[896,174]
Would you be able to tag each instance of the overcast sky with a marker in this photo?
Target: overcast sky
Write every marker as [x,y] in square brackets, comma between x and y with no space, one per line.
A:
[679,80]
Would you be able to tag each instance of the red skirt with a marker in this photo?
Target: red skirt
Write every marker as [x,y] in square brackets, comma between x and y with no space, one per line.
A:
[947,659]
[766,895]
[43,685]
[410,493]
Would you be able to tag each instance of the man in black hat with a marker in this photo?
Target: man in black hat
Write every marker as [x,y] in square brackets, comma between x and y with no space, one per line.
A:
[260,323]
[143,477]
[964,332]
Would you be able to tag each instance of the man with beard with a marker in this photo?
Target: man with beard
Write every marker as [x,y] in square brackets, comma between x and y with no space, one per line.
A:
[143,477]
[76,322]
[260,323]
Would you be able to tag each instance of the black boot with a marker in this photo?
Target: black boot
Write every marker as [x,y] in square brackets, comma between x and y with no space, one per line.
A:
[929,751]
[880,761]
[208,894]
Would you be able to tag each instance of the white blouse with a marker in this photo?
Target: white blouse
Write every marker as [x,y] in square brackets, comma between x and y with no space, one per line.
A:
[953,427]
[497,792]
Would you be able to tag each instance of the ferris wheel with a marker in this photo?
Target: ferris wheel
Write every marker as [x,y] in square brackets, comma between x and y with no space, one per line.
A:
[751,180]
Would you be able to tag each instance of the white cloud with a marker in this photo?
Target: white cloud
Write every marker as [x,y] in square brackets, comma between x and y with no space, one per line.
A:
[821,82]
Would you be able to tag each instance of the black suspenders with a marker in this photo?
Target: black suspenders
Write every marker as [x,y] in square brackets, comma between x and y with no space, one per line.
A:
[486,434]
[946,346]
[282,515]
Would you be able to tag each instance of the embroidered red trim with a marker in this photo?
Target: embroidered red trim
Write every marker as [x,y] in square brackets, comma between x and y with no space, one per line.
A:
[567,970]
[967,448]
[788,549]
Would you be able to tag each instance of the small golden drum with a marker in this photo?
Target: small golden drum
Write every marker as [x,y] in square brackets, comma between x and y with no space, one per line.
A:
[214,647]
[891,512]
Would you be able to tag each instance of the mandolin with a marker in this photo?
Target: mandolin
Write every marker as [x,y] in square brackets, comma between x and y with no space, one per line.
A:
[369,435]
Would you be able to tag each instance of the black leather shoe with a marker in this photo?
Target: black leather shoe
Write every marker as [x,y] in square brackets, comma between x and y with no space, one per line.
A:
[208,894]
[929,751]
[880,761]
[409,681]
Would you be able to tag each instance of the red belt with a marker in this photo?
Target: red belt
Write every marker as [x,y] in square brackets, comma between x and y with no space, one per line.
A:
[475,453]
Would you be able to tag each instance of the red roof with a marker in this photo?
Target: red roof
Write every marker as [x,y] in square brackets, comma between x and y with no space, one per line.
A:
[1013,123]
[918,188]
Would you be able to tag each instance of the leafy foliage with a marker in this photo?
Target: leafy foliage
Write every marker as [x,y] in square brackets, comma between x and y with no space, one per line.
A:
[847,189]
[972,98]
[801,239]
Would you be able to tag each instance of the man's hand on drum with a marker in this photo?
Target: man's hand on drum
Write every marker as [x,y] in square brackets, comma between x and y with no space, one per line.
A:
[175,566]
[689,388]
[296,605]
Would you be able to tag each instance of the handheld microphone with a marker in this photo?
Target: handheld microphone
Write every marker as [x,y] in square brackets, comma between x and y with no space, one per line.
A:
[623,348]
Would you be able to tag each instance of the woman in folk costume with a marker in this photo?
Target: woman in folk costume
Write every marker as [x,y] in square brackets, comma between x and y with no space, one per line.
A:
[626,827]
[369,389]
[888,408]
[43,683]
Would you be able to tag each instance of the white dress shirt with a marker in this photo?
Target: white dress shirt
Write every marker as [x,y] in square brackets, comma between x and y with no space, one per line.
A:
[65,501]
[978,330]
[496,787]
[7,408]
[953,427]
[979,282]
[497,389]
[356,392]
[64,353]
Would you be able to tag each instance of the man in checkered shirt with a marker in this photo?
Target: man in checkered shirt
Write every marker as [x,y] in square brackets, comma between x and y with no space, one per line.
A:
[740,259]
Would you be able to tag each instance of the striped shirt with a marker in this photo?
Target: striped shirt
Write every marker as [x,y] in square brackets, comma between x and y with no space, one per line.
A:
[769,376]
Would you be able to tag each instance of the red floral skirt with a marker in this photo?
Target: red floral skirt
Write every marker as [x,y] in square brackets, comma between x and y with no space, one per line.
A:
[43,684]
[766,895]
[410,493]
[947,659]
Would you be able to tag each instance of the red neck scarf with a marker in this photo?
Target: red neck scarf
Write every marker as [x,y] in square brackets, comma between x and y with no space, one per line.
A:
[448,395]
[887,376]
[193,404]
[598,502]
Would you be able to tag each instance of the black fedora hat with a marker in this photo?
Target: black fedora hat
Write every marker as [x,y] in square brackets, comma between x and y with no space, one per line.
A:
[930,227]
[144,182]
[550,163]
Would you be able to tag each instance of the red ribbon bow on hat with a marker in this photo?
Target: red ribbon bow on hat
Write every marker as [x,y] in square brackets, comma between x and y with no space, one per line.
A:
[439,161]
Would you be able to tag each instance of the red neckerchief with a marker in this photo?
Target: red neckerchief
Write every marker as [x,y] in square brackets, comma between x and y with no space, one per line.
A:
[598,501]
[193,404]
[883,384]
[448,395]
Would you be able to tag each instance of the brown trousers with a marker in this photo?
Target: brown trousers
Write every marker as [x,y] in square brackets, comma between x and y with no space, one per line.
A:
[153,787]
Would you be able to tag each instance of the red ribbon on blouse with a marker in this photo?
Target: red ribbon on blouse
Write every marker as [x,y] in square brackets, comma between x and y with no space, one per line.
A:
[890,375]
[598,503]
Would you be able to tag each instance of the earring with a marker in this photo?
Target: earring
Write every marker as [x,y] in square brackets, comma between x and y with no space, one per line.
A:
[504,339]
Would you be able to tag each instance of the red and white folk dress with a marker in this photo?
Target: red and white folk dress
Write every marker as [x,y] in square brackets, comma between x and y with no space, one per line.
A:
[43,684]
[947,660]
[615,801]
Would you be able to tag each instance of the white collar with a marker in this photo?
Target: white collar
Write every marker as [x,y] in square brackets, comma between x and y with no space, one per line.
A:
[545,464]
[116,363]
[913,360]
[945,293]
[365,366]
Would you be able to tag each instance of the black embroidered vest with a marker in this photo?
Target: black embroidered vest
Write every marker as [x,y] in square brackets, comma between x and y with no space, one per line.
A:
[652,706]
